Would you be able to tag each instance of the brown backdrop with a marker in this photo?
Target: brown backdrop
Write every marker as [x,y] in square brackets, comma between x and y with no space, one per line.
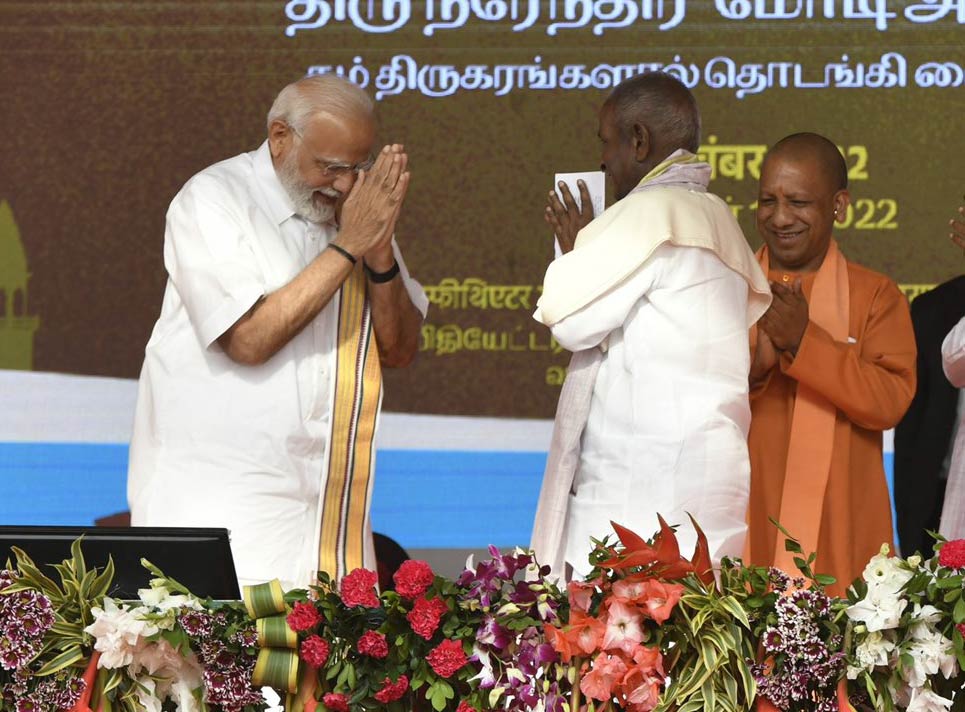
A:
[108,108]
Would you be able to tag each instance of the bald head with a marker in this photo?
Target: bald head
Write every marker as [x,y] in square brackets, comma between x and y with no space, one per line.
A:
[664,106]
[817,149]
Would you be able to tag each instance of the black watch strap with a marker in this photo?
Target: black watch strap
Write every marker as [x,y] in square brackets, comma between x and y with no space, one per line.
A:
[382,277]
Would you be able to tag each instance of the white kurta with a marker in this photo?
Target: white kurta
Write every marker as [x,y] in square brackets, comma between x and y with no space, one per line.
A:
[952,524]
[669,415]
[215,443]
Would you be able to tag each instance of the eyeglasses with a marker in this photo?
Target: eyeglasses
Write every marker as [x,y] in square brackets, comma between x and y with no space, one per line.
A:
[337,169]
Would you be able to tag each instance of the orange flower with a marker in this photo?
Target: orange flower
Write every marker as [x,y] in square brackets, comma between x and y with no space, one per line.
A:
[585,632]
[624,629]
[632,589]
[660,599]
[642,690]
[559,641]
[607,672]
[580,594]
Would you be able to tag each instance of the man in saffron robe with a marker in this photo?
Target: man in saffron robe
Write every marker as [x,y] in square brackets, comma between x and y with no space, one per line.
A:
[654,299]
[833,366]
[261,386]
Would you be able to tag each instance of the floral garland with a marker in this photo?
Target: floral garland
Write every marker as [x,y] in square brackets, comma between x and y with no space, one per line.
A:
[649,629]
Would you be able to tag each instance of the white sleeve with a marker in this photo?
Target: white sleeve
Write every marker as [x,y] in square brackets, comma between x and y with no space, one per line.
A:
[210,261]
[589,326]
[416,293]
[953,355]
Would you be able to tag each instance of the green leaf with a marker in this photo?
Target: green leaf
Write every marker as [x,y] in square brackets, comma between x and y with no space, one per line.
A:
[825,579]
[747,680]
[115,678]
[102,584]
[950,582]
[67,658]
[730,604]
[29,570]
[958,615]
[708,693]
[730,686]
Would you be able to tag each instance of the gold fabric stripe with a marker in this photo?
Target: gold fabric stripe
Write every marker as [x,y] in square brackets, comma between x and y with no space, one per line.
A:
[343,511]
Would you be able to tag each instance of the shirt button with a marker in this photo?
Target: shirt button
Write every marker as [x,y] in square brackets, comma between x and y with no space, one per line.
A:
[786,278]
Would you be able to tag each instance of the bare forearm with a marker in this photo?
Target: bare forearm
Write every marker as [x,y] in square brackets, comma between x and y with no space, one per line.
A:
[397,322]
[277,318]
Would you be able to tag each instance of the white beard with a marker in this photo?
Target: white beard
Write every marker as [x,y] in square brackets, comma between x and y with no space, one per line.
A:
[303,196]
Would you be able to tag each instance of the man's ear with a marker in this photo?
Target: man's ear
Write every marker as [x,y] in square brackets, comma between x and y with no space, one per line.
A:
[641,142]
[279,137]
[842,199]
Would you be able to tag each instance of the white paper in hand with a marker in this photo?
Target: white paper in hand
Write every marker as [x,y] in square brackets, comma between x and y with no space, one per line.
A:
[596,186]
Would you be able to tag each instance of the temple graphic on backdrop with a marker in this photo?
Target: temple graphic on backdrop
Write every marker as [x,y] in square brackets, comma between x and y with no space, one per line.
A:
[17,327]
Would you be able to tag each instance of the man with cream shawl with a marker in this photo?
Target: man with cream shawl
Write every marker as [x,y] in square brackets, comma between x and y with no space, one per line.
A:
[834,366]
[654,299]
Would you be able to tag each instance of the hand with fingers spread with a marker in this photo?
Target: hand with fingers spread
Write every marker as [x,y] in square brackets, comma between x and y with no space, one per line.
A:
[565,217]
[957,234]
[787,318]
[369,214]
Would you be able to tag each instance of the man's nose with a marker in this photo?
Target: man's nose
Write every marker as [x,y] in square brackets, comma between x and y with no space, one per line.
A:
[782,215]
[344,182]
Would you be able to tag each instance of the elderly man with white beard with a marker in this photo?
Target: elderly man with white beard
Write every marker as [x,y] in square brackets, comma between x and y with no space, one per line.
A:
[261,386]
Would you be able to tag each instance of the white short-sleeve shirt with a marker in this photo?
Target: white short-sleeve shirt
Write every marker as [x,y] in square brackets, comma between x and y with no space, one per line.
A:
[216,443]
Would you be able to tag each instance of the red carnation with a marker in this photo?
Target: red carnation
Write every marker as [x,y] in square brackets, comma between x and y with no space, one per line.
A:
[952,554]
[373,644]
[335,701]
[961,629]
[314,651]
[447,658]
[358,589]
[304,616]
[424,616]
[413,578]
[465,707]
[392,691]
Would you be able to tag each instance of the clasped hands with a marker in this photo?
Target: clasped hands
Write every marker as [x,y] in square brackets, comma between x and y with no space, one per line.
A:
[781,328]
[369,213]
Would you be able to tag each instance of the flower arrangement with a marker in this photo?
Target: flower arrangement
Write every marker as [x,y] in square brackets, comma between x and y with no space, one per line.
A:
[467,644]
[43,661]
[648,630]
[907,619]
[646,615]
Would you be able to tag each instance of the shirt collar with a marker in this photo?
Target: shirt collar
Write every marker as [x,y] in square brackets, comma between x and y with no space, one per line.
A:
[279,205]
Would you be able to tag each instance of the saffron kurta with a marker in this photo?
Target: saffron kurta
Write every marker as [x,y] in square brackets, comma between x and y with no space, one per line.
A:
[870,380]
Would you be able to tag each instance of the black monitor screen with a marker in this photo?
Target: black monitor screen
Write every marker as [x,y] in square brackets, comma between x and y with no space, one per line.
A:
[198,558]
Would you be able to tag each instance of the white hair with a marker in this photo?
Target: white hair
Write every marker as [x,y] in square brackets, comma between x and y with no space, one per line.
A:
[319,94]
